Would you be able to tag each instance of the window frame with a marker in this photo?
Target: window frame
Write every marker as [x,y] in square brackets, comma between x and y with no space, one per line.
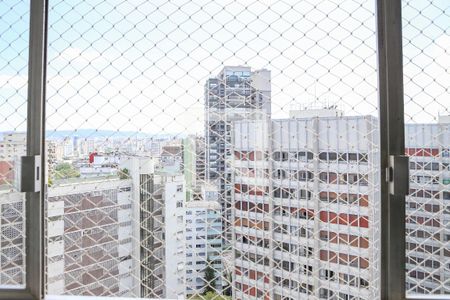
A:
[391,123]
[34,203]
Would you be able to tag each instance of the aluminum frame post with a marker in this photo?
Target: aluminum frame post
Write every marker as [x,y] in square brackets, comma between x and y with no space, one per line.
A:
[392,143]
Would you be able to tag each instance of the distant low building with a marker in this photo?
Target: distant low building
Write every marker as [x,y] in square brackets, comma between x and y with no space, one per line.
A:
[100,165]
[171,159]
[12,146]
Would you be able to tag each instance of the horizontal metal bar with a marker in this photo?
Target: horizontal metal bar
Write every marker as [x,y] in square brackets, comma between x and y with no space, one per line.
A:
[15,294]
[65,297]
[427,297]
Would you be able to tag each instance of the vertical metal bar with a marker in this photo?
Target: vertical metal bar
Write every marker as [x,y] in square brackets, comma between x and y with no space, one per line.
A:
[392,140]
[36,146]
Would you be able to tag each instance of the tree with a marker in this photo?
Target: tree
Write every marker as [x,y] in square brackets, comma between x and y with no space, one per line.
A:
[210,278]
[214,296]
[227,288]
[65,170]
[124,173]
[210,296]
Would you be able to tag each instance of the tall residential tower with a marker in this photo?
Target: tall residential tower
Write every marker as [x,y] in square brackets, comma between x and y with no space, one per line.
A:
[305,207]
[236,93]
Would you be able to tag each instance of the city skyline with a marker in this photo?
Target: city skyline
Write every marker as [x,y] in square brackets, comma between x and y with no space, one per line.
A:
[169,161]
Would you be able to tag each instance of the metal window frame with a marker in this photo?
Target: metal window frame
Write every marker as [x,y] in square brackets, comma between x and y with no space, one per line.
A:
[34,203]
[392,145]
[391,118]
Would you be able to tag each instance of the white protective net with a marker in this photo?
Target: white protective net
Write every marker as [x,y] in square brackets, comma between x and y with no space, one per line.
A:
[426,61]
[224,149]
[213,149]
[14,31]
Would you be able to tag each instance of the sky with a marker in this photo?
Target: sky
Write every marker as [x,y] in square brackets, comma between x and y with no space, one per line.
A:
[141,65]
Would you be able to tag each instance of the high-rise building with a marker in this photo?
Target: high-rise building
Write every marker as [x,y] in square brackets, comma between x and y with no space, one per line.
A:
[161,232]
[428,208]
[305,207]
[117,236]
[90,238]
[12,236]
[193,163]
[236,93]
[12,213]
[203,231]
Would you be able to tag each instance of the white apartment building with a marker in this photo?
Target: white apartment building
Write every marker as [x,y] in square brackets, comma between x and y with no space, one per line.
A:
[12,237]
[428,208]
[13,144]
[160,228]
[68,147]
[101,165]
[305,207]
[90,238]
[117,237]
[203,227]
[12,204]
[173,195]
[194,161]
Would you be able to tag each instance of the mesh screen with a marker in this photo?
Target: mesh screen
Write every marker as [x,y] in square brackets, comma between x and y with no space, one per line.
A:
[14,23]
[426,63]
[224,149]
[205,149]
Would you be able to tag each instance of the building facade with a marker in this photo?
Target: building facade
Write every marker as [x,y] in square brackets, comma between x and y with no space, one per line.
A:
[305,207]
[160,228]
[193,163]
[428,208]
[203,226]
[12,213]
[12,237]
[90,238]
[236,93]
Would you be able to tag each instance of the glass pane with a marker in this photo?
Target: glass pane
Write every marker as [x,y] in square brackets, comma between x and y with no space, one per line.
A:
[14,23]
[426,61]
[206,148]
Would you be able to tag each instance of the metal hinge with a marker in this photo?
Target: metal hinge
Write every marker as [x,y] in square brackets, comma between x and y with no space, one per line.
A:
[28,174]
[397,175]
